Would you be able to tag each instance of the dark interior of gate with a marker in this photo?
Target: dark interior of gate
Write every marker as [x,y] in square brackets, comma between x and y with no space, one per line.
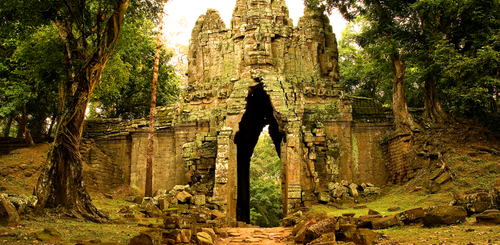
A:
[258,114]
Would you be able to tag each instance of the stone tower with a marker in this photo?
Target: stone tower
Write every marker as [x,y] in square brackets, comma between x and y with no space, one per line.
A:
[260,71]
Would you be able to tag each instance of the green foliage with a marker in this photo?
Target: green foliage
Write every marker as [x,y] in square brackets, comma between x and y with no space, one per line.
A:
[364,72]
[453,43]
[265,188]
[125,90]
[32,73]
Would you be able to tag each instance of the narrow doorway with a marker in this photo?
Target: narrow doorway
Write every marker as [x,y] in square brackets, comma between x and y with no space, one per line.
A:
[258,114]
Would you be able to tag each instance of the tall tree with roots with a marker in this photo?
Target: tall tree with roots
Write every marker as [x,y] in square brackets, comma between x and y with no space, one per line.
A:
[89,31]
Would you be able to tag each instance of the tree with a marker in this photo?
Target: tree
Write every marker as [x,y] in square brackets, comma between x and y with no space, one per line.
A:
[125,90]
[364,71]
[89,31]
[390,28]
[152,112]
[448,47]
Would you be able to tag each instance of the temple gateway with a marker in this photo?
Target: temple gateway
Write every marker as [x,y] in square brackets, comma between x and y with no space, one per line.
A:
[261,70]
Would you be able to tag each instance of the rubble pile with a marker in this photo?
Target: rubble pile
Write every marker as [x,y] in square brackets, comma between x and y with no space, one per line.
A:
[345,192]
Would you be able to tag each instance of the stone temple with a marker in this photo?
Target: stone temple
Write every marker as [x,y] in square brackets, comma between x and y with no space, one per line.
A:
[261,70]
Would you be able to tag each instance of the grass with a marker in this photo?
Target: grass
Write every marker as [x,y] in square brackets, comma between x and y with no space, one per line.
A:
[393,197]
[466,233]
[74,230]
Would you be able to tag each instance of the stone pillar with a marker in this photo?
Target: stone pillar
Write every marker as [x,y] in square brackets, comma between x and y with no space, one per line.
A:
[293,173]
[221,188]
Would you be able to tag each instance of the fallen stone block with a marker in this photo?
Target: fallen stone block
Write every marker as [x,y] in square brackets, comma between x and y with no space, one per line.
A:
[321,227]
[489,216]
[204,238]
[386,222]
[444,215]
[411,215]
[365,221]
[324,196]
[362,236]
[325,239]
[183,196]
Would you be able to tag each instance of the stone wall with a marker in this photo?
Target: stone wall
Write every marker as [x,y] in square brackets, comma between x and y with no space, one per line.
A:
[395,154]
[260,71]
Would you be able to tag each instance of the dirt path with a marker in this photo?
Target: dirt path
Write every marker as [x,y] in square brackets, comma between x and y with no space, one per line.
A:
[258,236]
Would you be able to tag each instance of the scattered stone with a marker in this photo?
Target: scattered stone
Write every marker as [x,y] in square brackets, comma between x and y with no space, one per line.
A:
[432,187]
[394,208]
[443,178]
[152,210]
[183,196]
[474,203]
[210,232]
[138,199]
[199,200]
[411,215]
[353,190]
[321,227]
[362,206]
[8,213]
[386,222]
[489,216]
[160,192]
[362,236]
[370,190]
[49,235]
[444,215]
[325,239]
[324,196]
[372,212]
[338,192]
[163,203]
[365,221]
[204,238]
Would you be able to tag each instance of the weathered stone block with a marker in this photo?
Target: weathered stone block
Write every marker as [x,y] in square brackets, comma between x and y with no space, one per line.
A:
[199,200]
[444,215]
[386,222]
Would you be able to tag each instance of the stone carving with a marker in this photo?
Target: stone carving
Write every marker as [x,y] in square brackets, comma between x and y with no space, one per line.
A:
[259,70]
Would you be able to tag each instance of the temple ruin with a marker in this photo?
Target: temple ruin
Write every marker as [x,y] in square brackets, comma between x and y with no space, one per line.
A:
[260,70]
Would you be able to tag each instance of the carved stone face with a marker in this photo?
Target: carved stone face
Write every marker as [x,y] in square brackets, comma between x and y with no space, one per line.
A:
[256,49]
[259,4]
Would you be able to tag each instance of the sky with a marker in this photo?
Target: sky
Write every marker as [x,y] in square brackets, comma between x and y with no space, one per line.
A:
[190,10]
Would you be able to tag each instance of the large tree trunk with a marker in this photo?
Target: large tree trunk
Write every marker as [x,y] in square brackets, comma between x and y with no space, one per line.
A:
[433,109]
[403,119]
[152,112]
[61,182]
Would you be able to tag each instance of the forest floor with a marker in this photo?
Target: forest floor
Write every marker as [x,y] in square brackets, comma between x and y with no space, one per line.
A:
[470,154]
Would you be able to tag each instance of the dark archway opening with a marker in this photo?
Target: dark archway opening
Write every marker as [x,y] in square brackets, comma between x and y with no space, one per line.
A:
[258,114]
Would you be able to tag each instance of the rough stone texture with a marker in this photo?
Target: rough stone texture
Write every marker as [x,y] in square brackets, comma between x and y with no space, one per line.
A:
[411,215]
[8,213]
[259,70]
[489,216]
[385,222]
[477,202]
[444,215]
[324,226]
[204,238]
